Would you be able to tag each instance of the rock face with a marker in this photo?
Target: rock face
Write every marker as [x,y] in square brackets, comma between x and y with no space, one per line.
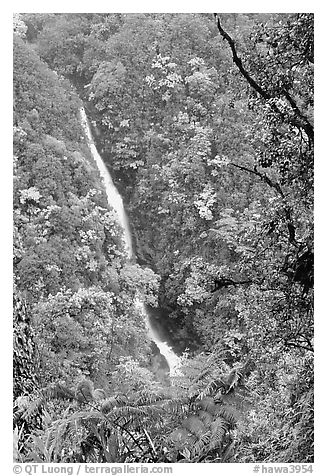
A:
[159,365]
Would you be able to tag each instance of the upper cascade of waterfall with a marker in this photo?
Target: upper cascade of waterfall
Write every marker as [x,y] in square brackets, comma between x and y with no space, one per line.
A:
[113,196]
[116,202]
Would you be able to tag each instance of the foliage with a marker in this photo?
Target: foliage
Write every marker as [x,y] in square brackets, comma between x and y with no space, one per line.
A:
[69,259]
[207,125]
[81,333]
[137,426]
[286,406]
[19,26]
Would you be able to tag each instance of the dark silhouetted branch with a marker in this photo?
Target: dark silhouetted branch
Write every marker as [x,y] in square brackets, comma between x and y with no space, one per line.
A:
[299,120]
[263,177]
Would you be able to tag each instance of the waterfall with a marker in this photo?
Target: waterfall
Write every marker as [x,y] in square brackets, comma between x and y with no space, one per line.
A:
[113,196]
[115,201]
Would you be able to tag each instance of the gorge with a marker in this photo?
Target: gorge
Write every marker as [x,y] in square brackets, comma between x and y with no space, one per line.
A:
[171,217]
[115,201]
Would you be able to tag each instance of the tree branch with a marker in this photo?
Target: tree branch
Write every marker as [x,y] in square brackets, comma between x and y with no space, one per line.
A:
[237,60]
[263,177]
[225,282]
[275,185]
[307,126]
[300,121]
[299,346]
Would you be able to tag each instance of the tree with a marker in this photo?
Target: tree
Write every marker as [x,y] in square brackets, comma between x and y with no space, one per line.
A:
[207,127]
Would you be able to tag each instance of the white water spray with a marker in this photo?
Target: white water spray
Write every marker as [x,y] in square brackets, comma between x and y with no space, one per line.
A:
[116,202]
[113,196]
[172,359]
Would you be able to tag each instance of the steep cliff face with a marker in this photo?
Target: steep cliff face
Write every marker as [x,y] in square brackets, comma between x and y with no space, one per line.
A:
[115,201]
[69,258]
[207,126]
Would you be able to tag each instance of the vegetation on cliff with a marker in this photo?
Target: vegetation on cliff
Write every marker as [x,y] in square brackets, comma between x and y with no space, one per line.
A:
[206,124]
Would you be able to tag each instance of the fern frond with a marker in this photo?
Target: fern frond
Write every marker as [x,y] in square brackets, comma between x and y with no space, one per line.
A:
[227,452]
[218,429]
[194,425]
[83,416]
[211,439]
[207,404]
[229,413]
[33,408]
[58,391]
[205,417]
[134,416]
[57,437]
[112,402]
[202,375]
[181,438]
[148,398]
[212,388]
[200,445]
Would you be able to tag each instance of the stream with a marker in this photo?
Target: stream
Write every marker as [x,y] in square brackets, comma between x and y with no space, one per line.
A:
[168,358]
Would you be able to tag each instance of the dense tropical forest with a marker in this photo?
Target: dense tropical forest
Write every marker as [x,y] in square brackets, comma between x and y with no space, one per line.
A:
[205,123]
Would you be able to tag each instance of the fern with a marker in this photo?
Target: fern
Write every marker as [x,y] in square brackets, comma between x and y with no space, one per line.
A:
[229,413]
[136,428]
[207,404]
[109,404]
[58,391]
[218,428]
[205,433]
[205,417]
[194,425]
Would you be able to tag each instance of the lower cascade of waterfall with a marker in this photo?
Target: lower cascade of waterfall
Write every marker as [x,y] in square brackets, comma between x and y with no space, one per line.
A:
[172,359]
[116,202]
